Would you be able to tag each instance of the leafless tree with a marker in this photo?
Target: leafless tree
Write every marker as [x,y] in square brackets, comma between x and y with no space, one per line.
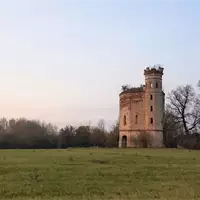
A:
[185,105]
[172,128]
[198,84]
[101,125]
[3,125]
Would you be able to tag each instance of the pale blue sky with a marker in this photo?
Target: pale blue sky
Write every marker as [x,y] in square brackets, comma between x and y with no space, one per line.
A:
[65,61]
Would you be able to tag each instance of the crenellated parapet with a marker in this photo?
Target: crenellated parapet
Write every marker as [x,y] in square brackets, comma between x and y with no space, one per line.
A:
[133,90]
[156,69]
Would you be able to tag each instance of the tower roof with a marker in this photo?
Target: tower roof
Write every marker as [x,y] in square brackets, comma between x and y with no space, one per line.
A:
[154,70]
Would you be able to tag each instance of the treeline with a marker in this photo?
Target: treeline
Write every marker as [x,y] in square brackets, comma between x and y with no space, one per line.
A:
[181,124]
[30,134]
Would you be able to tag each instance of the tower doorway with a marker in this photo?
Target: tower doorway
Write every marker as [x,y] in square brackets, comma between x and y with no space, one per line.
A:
[124,141]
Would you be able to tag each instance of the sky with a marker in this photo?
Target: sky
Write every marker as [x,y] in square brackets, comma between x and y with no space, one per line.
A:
[64,61]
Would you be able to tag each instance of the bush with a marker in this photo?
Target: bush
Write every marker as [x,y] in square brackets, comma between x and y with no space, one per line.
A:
[189,141]
[143,140]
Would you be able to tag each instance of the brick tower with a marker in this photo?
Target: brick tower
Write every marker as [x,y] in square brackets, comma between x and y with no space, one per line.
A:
[142,109]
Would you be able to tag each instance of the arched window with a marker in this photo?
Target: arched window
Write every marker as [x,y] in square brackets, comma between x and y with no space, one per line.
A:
[156,84]
[124,120]
[150,84]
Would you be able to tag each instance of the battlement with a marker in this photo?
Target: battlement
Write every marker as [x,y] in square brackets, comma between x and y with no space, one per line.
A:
[133,90]
[156,69]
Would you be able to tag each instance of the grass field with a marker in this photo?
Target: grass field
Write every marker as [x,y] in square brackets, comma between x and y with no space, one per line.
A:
[99,174]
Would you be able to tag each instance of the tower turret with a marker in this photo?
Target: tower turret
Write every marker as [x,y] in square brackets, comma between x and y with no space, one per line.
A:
[154,103]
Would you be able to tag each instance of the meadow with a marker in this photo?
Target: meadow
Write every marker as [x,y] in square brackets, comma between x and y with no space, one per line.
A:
[95,173]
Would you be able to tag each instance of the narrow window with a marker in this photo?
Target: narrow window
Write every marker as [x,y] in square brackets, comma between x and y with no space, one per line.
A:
[124,120]
[151,108]
[151,97]
[151,120]
[151,84]
[136,119]
[156,84]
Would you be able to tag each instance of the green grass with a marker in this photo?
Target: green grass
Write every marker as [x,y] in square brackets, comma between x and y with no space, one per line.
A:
[99,174]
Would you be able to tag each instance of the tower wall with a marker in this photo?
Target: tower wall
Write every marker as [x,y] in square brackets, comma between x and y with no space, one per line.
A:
[131,109]
[154,105]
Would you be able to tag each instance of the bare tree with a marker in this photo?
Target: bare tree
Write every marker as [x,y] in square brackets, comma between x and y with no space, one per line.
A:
[198,84]
[185,105]
[113,135]
[101,125]
[3,125]
[172,128]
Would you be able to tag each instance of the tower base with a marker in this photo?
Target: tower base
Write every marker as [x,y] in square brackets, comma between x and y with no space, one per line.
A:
[153,139]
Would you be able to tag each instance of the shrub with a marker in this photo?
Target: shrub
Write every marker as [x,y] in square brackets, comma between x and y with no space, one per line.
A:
[143,139]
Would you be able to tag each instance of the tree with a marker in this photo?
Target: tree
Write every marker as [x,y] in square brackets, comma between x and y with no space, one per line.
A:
[82,136]
[98,137]
[172,128]
[23,133]
[101,125]
[3,125]
[112,137]
[185,105]
[67,137]
[198,84]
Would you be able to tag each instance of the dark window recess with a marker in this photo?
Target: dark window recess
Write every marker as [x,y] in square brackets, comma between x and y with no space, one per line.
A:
[136,119]
[151,108]
[151,120]
[124,119]
[151,97]
[156,84]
